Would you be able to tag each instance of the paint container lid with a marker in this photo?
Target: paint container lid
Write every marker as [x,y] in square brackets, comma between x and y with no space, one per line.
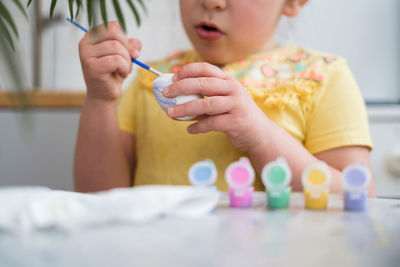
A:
[316,177]
[203,173]
[356,177]
[240,174]
[276,175]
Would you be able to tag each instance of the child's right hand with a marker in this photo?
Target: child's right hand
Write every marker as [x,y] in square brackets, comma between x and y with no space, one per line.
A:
[106,60]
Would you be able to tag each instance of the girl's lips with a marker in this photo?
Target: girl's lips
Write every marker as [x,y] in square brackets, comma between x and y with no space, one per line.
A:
[208,31]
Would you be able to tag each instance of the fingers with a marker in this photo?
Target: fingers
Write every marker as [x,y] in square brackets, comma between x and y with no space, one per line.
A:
[207,86]
[212,123]
[108,48]
[102,52]
[207,106]
[201,69]
[134,47]
[101,45]
[110,64]
[101,34]
[201,78]
[112,35]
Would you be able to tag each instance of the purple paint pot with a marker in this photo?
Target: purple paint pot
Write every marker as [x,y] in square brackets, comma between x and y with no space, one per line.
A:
[356,179]
[355,201]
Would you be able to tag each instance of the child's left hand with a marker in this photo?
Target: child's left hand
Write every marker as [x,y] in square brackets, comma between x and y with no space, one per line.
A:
[228,106]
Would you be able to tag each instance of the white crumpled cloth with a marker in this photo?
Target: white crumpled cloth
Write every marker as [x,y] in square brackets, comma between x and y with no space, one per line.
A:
[25,209]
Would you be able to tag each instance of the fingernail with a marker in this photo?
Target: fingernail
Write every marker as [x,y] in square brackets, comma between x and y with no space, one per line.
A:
[135,53]
[174,77]
[170,111]
[165,91]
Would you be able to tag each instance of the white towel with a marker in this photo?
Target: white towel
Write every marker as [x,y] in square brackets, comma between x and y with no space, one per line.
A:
[24,209]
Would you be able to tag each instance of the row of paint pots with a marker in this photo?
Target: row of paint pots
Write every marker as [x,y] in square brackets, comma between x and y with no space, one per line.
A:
[277,176]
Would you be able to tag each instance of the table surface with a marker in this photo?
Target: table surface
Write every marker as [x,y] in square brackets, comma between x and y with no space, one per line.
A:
[227,237]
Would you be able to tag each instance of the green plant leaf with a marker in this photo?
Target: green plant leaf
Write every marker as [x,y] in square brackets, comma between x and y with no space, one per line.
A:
[120,16]
[20,7]
[71,8]
[90,10]
[78,7]
[29,3]
[5,34]
[103,9]
[133,7]
[8,18]
[143,6]
[52,6]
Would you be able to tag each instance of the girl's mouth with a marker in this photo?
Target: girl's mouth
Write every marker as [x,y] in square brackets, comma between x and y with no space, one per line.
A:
[208,31]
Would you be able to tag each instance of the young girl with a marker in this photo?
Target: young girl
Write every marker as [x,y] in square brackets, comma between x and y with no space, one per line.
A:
[262,100]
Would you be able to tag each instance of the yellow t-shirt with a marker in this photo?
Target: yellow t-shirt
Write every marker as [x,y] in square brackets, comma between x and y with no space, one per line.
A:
[310,94]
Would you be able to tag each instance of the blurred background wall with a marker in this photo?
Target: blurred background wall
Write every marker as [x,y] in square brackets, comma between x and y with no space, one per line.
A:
[37,148]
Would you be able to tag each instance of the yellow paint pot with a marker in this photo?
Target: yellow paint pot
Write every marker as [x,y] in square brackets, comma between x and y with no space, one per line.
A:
[316,200]
[316,180]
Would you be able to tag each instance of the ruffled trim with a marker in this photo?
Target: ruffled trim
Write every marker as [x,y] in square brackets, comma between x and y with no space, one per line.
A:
[295,94]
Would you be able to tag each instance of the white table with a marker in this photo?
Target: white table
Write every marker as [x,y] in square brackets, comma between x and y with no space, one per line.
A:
[229,237]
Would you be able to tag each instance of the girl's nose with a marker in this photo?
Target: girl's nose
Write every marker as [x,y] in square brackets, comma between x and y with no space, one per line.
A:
[214,4]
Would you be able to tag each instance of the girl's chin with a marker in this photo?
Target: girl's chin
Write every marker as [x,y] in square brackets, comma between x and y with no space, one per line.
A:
[216,57]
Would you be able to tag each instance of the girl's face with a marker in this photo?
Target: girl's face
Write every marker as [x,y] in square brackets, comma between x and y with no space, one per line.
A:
[224,31]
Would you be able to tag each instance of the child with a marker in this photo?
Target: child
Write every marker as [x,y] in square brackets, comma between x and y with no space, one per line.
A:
[262,101]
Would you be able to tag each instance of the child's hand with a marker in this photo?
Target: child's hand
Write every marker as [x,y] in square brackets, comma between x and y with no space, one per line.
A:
[228,106]
[106,60]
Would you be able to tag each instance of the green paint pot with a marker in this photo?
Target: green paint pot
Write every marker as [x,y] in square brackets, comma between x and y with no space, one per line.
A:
[276,177]
[278,199]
